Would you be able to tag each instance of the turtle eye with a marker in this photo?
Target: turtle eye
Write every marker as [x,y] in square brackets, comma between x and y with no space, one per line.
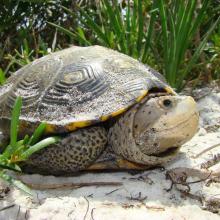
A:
[167,103]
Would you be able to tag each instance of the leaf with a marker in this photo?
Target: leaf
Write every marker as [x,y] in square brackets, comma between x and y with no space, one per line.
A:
[81,34]
[15,121]
[38,146]
[140,27]
[94,27]
[2,166]
[2,77]
[148,37]
[69,33]
[116,24]
[14,128]
[197,53]
[37,134]
[163,17]
[16,183]
[64,30]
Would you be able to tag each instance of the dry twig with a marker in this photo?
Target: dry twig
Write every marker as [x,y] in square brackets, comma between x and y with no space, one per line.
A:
[18,213]
[87,208]
[156,208]
[211,162]
[108,193]
[7,207]
[206,150]
[92,213]
[70,185]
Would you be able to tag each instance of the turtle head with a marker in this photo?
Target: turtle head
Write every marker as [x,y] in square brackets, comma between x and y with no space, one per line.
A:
[164,122]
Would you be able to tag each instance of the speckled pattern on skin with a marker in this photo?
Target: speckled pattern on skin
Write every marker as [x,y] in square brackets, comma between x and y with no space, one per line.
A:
[73,153]
[133,153]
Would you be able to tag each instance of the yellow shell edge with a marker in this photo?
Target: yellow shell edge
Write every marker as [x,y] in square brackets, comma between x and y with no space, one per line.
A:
[81,124]
[143,94]
[170,90]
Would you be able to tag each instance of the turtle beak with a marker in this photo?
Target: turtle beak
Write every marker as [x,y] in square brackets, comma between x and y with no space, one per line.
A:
[186,105]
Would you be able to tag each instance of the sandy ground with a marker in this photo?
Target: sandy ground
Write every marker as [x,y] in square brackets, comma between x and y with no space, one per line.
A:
[141,195]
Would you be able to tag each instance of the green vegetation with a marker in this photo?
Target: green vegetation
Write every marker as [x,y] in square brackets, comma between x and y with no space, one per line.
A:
[2,77]
[25,34]
[179,27]
[20,150]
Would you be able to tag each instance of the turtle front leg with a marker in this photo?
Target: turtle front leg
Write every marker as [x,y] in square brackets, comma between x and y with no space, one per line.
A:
[75,151]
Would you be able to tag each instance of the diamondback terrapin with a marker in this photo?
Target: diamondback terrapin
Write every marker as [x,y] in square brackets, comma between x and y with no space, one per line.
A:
[111,111]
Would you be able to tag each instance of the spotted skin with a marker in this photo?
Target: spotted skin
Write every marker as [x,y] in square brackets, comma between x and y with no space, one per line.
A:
[74,152]
[132,153]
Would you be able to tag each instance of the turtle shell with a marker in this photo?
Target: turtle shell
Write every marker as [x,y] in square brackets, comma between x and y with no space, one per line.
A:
[77,87]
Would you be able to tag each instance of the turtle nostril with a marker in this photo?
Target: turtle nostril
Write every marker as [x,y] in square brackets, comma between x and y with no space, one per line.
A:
[167,103]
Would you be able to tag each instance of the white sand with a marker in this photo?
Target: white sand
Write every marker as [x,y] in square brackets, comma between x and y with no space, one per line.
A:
[141,196]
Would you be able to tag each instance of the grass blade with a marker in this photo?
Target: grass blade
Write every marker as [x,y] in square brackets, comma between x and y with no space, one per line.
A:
[38,146]
[15,121]
[16,183]
[2,166]
[134,30]
[163,16]
[199,17]
[140,27]
[64,30]
[37,134]
[194,24]
[197,53]
[115,24]
[184,31]
[128,27]
[2,77]
[93,26]
[14,128]
[69,33]
[172,68]
[82,36]
[148,37]
[121,24]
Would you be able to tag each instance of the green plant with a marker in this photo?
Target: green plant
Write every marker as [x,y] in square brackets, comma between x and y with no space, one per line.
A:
[179,25]
[121,27]
[20,150]
[2,77]
[212,52]
[158,32]
[25,55]
[24,19]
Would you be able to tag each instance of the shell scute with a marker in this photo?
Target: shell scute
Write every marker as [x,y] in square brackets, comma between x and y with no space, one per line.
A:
[77,87]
